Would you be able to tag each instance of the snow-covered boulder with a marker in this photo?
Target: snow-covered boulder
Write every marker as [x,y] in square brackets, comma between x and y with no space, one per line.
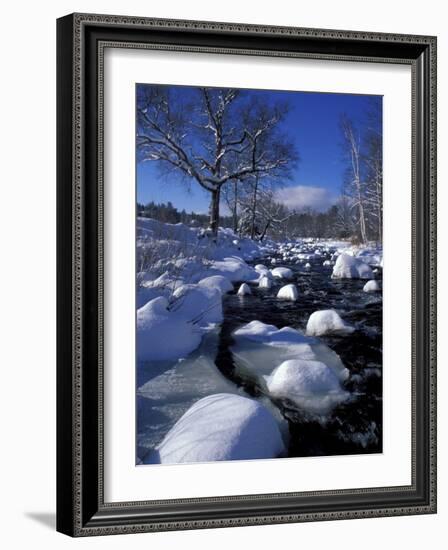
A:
[262,269]
[265,282]
[326,263]
[372,286]
[282,273]
[307,266]
[288,292]
[201,304]
[327,321]
[311,385]
[244,290]
[155,324]
[349,267]
[221,427]
[146,294]
[260,348]
[217,281]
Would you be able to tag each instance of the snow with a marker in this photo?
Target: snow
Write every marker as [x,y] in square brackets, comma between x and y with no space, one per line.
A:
[233,268]
[371,286]
[288,292]
[154,323]
[265,282]
[307,266]
[198,304]
[349,267]
[168,388]
[326,263]
[217,281]
[371,255]
[260,349]
[262,269]
[244,290]
[282,273]
[221,427]
[311,385]
[327,321]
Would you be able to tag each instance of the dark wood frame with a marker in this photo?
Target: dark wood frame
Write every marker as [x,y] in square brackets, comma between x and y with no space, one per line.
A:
[81,510]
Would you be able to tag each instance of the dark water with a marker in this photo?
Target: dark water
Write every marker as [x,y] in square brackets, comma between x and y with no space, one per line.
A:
[355,426]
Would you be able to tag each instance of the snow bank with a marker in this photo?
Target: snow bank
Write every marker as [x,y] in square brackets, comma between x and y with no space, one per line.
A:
[154,325]
[167,389]
[282,273]
[244,290]
[233,268]
[217,281]
[198,304]
[327,321]
[372,286]
[288,292]
[311,385]
[265,282]
[349,267]
[221,427]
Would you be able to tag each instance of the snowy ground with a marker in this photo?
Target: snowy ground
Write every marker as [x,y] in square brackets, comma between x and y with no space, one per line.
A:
[183,277]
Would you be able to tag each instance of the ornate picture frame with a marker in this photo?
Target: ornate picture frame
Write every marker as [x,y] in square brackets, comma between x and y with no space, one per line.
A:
[81,507]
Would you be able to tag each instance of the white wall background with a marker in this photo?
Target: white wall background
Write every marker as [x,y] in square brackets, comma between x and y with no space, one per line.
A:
[27,274]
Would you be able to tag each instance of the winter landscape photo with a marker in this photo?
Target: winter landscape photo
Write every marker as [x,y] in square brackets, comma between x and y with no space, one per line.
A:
[259,274]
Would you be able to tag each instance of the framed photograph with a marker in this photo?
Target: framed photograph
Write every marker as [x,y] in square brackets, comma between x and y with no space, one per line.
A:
[246,274]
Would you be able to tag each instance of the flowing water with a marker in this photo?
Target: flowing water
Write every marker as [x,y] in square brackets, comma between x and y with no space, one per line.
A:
[354,426]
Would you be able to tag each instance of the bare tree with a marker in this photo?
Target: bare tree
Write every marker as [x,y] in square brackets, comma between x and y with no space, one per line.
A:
[355,183]
[211,136]
[373,159]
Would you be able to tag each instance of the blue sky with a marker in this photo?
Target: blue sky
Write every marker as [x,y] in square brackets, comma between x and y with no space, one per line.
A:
[312,123]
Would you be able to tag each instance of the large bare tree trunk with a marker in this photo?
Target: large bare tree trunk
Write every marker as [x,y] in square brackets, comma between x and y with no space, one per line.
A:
[214,211]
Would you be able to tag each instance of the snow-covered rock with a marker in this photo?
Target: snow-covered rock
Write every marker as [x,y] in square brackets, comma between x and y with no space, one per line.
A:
[168,388]
[262,269]
[372,286]
[327,321]
[311,385]
[326,263]
[265,282]
[307,266]
[221,427]
[200,304]
[282,273]
[371,255]
[217,281]
[288,292]
[349,267]
[244,290]
[154,325]
[261,348]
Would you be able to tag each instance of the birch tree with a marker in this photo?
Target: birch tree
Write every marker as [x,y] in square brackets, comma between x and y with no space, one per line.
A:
[355,185]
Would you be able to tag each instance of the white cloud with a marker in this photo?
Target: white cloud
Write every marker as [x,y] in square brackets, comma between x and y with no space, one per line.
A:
[306,196]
